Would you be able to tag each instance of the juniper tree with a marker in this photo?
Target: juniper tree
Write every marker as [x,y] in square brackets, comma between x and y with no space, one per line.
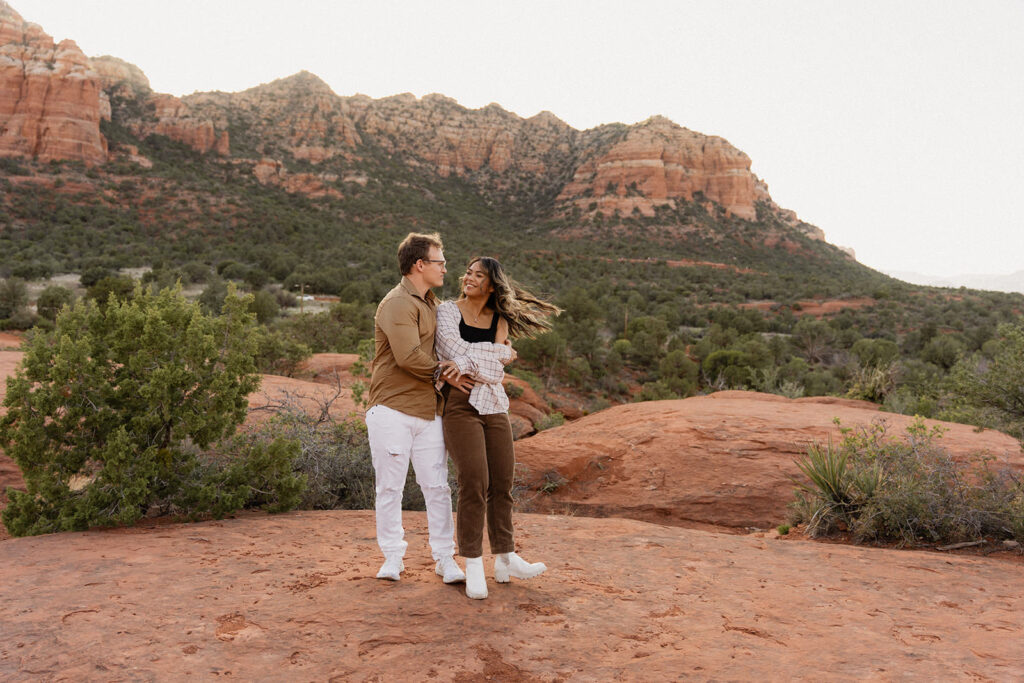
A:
[108,413]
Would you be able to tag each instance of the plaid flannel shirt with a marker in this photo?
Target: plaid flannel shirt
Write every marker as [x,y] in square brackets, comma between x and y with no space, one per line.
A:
[483,361]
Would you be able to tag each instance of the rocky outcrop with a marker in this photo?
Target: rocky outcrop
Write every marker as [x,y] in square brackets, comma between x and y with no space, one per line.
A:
[292,597]
[459,141]
[299,116]
[272,172]
[171,117]
[49,96]
[658,162]
[118,74]
[725,460]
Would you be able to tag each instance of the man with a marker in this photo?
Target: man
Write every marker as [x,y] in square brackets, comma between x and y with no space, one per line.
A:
[404,418]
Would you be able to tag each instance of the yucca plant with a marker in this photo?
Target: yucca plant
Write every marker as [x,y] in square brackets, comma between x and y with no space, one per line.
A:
[831,489]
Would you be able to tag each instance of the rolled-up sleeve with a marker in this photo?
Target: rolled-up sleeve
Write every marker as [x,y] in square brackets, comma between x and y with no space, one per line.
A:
[399,320]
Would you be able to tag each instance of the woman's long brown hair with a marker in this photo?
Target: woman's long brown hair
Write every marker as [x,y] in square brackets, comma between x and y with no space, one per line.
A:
[526,314]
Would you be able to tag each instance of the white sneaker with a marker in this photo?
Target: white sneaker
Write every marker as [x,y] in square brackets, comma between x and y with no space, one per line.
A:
[507,565]
[392,568]
[449,569]
[476,582]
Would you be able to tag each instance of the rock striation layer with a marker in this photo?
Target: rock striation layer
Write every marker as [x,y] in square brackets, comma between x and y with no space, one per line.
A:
[49,95]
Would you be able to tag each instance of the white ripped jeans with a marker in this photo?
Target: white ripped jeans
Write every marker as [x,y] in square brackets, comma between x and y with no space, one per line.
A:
[396,439]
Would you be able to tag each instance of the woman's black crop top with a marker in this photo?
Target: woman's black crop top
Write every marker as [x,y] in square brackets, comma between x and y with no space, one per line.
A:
[479,334]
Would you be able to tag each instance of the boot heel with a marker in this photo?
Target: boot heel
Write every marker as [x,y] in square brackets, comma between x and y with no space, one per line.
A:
[501,574]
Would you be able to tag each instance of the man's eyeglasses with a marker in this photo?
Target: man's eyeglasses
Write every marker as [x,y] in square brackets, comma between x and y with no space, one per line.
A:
[433,260]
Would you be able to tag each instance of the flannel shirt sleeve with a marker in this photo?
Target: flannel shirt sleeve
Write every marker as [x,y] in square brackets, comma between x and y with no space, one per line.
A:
[482,361]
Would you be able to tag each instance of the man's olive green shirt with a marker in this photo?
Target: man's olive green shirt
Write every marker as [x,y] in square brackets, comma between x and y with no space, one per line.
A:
[404,360]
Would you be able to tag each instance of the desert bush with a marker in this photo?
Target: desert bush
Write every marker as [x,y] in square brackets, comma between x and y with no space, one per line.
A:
[549,421]
[279,354]
[656,391]
[872,382]
[13,295]
[108,413]
[115,285]
[52,299]
[333,454]
[678,373]
[988,387]
[875,352]
[94,274]
[21,319]
[265,307]
[909,490]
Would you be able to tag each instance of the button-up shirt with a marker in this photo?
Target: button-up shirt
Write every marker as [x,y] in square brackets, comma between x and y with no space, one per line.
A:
[404,363]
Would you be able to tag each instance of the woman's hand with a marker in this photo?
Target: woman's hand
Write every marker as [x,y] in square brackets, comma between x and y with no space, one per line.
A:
[515,354]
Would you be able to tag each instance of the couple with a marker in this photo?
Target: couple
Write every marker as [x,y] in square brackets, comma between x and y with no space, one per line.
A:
[420,405]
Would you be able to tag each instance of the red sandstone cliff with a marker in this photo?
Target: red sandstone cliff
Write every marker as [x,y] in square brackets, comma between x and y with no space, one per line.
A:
[657,162]
[52,98]
[49,95]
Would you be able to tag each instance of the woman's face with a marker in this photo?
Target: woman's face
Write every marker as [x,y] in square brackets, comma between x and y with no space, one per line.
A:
[476,283]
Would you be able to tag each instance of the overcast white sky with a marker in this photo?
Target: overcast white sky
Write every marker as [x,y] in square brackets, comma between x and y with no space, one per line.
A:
[896,126]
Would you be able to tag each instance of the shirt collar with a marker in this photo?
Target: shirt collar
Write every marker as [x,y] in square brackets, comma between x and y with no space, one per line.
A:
[408,287]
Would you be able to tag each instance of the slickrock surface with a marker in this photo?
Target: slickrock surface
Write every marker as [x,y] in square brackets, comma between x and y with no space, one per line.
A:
[49,95]
[725,459]
[293,597]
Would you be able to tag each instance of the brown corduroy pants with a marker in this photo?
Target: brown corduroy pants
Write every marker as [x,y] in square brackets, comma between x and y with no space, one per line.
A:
[481,448]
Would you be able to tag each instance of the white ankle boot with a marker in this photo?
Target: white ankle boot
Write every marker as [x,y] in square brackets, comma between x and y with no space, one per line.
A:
[392,568]
[508,565]
[476,582]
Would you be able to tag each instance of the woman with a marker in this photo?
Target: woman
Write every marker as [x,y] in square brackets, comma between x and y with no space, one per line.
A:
[474,342]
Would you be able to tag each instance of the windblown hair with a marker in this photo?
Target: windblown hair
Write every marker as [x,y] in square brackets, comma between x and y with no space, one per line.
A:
[527,315]
[414,247]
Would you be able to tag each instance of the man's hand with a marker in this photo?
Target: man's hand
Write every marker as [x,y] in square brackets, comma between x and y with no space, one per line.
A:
[451,375]
[463,383]
[449,370]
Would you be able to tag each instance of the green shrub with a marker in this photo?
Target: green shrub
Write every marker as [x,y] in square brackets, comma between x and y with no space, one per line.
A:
[114,285]
[52,299]
[988,390]
[279,354]
[872,382]
[264,305]
[21,319]
[549,421]
[333,455]
[909,490]
[13,295]
[108,413]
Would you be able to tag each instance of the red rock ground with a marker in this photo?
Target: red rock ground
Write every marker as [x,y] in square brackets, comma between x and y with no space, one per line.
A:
[724,460]
[292,597]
